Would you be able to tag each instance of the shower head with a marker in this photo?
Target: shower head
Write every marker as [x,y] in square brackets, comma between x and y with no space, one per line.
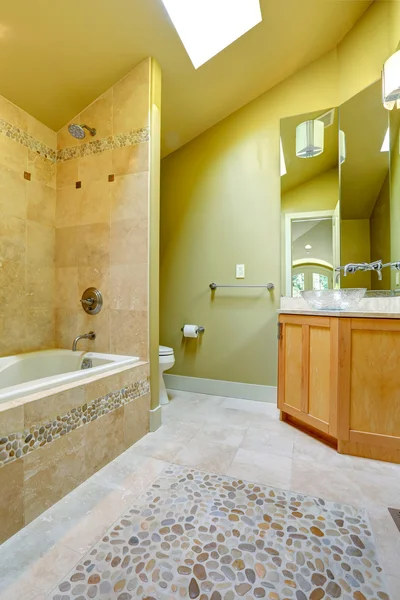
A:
[77,131]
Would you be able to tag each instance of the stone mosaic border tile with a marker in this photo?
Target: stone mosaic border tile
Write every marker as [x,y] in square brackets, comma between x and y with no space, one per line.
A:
[19,444]
[211,537]
[101,145]
[25,139]
[87,149]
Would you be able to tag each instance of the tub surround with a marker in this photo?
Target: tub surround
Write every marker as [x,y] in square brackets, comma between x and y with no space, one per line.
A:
[102,220]
[52,441]
[76,214]
[339,378]
[27,231]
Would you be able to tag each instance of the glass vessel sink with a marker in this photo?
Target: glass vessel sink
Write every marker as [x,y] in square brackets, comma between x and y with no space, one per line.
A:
[345,299]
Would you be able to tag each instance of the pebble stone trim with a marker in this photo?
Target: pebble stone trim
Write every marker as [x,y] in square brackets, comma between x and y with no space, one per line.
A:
[25,139]
[89,148]
[211,537]
[21,443]
[101,145]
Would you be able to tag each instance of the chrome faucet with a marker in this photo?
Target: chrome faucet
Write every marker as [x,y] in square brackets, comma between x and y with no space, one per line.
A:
[350,268]
[86,336]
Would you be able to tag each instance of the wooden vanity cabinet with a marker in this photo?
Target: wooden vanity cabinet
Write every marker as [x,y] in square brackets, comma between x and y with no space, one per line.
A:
[308,370]
[340,377]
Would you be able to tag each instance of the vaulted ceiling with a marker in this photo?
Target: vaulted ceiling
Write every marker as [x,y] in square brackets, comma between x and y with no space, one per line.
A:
[58,56]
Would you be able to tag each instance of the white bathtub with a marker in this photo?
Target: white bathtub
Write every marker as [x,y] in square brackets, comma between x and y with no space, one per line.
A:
[30,373]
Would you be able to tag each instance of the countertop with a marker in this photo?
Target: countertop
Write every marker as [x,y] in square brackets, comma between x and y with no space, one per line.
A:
[361,314]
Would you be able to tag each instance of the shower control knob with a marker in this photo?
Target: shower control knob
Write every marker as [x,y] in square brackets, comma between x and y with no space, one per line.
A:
[92,301]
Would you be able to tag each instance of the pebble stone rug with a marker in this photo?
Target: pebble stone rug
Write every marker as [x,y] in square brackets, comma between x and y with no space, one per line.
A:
[211,537]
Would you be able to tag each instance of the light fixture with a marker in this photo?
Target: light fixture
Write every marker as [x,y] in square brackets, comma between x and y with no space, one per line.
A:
[385,143]
[391,81]
[342,146]
[310,139]
[282,159]
[392,104]
[308,247]
[208,26]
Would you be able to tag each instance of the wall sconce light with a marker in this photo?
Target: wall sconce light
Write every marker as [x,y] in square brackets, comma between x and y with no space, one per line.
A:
[310,139]
[391,82]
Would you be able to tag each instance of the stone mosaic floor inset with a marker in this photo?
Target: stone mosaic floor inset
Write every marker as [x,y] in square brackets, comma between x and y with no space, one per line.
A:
[206,536]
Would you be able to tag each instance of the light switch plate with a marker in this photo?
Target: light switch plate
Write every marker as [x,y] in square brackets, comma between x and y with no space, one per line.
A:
[239,271]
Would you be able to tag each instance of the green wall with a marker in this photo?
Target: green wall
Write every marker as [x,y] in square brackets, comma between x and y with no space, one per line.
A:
[220,205]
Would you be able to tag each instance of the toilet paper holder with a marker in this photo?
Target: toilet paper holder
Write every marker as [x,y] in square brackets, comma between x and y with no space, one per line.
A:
[199,329]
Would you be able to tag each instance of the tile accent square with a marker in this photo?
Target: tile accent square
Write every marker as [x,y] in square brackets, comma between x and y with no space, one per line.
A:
[27,176]
[111,178]
[207,536]
[78,185]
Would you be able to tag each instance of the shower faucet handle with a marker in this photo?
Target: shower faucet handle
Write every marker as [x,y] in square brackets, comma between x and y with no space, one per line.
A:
[92,301]
[87,301]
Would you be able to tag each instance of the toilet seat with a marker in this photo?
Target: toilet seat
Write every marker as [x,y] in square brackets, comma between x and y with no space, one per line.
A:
[165,351]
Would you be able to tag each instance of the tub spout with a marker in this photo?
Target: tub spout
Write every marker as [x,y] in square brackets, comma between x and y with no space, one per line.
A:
[86,336]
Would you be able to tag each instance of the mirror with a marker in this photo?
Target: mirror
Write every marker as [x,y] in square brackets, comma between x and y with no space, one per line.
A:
[365,188]
[394,120]
[309,202]
[340,202]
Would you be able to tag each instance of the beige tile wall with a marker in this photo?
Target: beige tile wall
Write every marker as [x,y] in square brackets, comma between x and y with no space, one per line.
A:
[36,481]
[102,227]
[27,237]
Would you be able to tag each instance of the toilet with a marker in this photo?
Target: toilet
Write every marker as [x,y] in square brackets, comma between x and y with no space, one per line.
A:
[166,361]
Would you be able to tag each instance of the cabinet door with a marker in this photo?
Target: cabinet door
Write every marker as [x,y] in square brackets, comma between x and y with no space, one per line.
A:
[307,387]
[369,405]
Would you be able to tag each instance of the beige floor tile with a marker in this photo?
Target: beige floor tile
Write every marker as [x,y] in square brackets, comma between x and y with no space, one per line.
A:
[387,537]
[34,572]
[377,489]
[82,534]
[250,406]
[206,456]
[80,519]
[220,434]
[179,431]
[309,449]
[260,467]
[394,587]
[155,445]
[271,441]
[331,483]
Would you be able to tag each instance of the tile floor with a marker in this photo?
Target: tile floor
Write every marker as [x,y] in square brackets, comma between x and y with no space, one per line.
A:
[227,436]
[219,538]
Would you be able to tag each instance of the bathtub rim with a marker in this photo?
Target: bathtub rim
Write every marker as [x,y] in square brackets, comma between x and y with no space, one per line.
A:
[86,376]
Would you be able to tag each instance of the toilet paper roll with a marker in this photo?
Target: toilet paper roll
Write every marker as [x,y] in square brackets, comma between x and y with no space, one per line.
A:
[190,331]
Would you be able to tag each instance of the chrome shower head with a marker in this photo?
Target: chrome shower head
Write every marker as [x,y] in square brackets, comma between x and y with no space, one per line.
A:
[77,131]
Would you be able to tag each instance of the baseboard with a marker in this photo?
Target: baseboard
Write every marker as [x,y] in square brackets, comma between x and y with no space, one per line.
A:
[216,387]
[155,418]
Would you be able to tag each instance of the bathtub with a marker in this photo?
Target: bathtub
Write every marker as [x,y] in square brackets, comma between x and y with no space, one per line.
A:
[30,373]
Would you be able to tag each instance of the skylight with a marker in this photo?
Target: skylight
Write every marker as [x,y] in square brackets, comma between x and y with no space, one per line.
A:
[208,26]
[385,145]
[282,156]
